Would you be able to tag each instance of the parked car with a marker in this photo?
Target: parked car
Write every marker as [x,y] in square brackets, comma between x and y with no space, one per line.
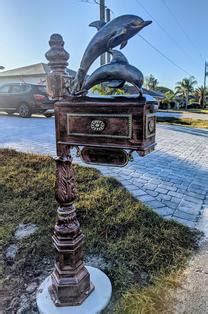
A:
[25,99]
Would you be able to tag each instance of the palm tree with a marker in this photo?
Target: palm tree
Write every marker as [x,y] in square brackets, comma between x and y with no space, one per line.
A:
[169,96]
[185,87]
[201,93]
[151,82]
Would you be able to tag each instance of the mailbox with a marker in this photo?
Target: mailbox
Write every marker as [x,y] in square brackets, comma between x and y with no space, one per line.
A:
[105,130]
[113,123]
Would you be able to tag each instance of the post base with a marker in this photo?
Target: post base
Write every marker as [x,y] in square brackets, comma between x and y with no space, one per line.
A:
[93,304]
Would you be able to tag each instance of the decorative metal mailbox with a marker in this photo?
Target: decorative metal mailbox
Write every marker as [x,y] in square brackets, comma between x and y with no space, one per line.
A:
[105,130]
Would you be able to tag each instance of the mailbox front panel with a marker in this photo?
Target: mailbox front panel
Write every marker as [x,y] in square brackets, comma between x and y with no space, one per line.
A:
[99,122]
[99,125]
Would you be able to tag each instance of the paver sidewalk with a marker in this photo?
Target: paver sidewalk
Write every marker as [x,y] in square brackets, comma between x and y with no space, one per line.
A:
[173,180]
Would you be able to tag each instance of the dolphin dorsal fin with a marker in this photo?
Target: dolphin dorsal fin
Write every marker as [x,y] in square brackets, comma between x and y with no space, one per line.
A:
[97,24]
[118,57]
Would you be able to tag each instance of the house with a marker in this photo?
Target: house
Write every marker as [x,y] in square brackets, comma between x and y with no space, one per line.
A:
[35,74]
[129,89]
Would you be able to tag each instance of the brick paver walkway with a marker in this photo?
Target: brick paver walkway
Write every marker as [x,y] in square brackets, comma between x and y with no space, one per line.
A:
[173,180]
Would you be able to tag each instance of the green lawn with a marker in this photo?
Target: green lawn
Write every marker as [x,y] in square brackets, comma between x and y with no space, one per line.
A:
[204,111]
[142,251]
[195,123]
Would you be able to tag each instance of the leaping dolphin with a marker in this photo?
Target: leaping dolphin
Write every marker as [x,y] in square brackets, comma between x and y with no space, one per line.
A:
[118,69]
[109,35]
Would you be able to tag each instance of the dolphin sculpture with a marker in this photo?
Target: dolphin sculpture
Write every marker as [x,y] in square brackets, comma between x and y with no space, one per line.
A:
[109,35]
[117,69]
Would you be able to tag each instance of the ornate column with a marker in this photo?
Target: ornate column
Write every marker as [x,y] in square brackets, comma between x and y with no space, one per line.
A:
[70,279]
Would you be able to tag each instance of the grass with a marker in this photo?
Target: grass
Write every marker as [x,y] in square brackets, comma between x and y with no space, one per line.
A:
[204,111]
[141,249]
[195,123]
[181,110]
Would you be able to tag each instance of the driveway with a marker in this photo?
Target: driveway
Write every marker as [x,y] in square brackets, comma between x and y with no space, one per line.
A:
[173,180]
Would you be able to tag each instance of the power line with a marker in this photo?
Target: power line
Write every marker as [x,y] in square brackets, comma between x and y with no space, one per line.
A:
[181,28]
[97,3]
[163,55]
[164,30]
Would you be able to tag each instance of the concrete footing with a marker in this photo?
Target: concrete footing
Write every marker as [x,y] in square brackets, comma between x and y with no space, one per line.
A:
[94,304]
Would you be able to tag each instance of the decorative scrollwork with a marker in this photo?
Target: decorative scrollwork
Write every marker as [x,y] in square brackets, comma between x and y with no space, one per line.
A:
[65,181]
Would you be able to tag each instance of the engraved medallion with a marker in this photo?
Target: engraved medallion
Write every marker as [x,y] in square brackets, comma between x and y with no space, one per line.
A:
[97,125]
[151,125]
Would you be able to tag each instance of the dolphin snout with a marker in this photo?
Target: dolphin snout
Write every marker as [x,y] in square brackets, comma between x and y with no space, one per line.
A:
[145,23]
[140,24]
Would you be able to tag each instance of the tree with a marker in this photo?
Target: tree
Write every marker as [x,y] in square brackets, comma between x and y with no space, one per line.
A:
[201,93]
[169,96]
[185,87]
[167,100]
[102,90]
[151,82]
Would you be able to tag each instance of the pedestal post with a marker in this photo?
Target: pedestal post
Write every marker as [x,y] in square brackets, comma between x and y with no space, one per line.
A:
[70,279]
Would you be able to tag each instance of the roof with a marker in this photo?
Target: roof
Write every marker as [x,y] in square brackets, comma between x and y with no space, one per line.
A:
[153,93]
[133,90]
[30,70]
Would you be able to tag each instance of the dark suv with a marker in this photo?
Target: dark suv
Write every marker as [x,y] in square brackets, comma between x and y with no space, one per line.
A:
[25,99]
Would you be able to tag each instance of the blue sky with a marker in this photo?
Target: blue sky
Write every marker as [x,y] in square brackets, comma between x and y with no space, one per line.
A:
[26,26]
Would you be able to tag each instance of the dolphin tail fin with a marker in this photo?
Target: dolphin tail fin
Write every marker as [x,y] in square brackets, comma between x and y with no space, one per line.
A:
[97,24]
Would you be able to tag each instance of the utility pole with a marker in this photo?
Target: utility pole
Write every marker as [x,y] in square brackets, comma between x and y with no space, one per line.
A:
[205,77]
[102,18]
[108,18]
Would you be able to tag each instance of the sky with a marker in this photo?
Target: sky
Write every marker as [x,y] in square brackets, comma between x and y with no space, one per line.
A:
[179,32]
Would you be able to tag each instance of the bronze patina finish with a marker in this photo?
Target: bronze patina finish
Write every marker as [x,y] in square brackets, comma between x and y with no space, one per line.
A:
[70,279]
[118,70]
[110,35]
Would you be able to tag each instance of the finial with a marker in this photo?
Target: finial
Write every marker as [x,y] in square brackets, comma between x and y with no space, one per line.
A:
[57,57]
